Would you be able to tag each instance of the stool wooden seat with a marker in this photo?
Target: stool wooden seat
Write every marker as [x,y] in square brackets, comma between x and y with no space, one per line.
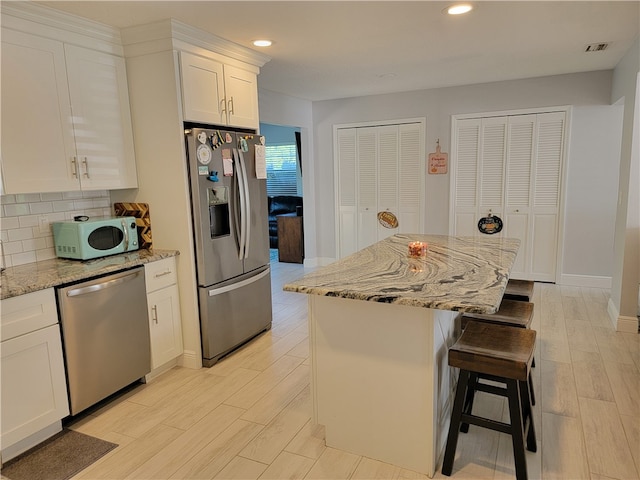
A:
[519,290]
[511,312]
[502,354]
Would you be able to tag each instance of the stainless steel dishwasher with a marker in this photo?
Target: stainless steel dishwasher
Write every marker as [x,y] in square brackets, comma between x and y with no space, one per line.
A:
[105,335]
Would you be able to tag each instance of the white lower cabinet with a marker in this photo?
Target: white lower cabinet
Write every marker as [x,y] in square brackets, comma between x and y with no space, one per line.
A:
[34,388]
[165,323]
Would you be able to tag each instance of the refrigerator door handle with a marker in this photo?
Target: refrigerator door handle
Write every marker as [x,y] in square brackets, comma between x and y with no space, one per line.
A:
[247,221]
[243,206]
[235,286]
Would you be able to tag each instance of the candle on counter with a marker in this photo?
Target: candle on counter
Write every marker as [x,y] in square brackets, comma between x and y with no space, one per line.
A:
[417,249]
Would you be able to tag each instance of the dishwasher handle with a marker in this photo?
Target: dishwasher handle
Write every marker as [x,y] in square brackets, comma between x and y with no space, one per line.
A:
[101,286]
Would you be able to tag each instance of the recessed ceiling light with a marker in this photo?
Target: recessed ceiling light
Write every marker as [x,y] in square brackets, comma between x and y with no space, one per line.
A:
[459,9]
[262,43]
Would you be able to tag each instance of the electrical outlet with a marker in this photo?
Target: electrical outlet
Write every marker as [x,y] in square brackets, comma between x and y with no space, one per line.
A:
[43,224]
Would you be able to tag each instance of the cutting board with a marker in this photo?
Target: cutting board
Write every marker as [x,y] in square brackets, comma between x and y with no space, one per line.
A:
[143,220]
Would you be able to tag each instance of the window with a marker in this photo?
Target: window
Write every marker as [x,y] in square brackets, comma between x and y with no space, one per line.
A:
[282,167]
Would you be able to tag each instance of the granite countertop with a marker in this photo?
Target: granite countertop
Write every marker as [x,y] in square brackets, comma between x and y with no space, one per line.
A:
[466,274]
[28,278]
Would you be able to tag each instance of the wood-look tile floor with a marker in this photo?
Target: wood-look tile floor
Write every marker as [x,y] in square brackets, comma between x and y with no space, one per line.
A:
[248,417]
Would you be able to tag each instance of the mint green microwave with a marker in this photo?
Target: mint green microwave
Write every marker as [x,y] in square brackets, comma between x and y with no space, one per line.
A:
[88,238]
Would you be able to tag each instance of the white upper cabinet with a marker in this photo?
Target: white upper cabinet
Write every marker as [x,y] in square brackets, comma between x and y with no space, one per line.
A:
[218,94]
[101,119]
[37,135]
[65,117]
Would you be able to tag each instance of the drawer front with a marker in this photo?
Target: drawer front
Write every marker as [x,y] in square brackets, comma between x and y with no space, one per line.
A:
[28,313]
[160,274]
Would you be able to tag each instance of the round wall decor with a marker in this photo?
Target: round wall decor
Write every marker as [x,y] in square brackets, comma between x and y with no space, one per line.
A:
[490,224]
[387,220]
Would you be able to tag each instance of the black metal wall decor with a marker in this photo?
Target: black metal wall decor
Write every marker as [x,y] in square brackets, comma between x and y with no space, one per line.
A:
[490,224]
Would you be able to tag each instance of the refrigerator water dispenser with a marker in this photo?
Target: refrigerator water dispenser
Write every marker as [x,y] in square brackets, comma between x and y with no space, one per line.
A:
[219,211]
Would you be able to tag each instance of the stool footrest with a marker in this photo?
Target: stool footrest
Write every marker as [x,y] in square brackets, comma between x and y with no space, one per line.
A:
[486,423]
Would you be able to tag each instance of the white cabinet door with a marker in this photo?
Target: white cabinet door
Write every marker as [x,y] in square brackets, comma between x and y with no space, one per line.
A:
[165,322]
[218,94]
[164,325]
[202,89]
[34,389]
[65,118]
[410,178]
[38,148]
[241,92]
[102,120]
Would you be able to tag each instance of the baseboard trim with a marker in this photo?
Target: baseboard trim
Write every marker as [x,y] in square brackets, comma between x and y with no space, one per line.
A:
[621,323]
[190,360]
[591,281]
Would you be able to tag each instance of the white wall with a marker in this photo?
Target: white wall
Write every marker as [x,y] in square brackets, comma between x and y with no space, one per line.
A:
[626,277]
[278,109]
[593,161]
[583,89]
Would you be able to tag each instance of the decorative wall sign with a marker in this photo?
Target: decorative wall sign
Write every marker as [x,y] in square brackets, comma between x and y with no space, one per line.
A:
[387,220]
[438,161]
[490,224]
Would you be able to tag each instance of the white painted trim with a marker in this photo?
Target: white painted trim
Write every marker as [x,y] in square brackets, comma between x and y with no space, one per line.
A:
[64,27]
[152,37]
[590,281]
[507,113]
[190,359]
[621,323]
[627,324]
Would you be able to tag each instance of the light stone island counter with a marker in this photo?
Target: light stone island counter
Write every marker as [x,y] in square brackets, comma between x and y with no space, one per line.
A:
[31,277]
[380,324]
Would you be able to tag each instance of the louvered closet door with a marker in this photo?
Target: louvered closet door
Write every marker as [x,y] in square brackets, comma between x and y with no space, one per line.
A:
[411,146]
[492,166]
[367,176]
[519,163]
[466,177]
[511,167]
[378,169]
[546,174]
[346,191]
[388,176]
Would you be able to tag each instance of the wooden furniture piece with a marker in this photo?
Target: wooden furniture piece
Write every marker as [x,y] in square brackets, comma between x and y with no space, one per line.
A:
[290,238]
[511,312]
[502,354]
[519,290]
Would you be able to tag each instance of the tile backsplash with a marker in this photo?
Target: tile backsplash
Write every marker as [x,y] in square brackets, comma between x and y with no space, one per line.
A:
[25,221]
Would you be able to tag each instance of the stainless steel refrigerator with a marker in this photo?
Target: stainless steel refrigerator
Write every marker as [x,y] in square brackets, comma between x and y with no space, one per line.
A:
[230,213]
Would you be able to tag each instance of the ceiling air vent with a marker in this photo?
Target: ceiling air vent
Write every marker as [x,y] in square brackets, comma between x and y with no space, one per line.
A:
[596,47]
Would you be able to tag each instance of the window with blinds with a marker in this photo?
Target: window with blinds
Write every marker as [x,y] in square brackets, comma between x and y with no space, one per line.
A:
[282,169]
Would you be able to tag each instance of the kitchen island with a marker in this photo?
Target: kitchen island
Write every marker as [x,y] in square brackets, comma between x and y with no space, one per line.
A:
[380,324]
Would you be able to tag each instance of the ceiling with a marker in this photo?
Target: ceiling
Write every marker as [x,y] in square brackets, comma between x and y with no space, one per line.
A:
[335,49]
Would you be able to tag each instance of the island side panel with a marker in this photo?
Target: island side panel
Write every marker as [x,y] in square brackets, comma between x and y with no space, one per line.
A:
[380,381]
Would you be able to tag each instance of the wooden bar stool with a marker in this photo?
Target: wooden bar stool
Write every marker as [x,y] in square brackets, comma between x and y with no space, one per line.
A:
[513,313]
[519,290]
[502,354]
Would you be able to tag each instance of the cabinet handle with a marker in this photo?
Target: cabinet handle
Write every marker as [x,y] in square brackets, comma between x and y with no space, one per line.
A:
[86,167]
[166,272]
[154,314]
[74,165]
[223,106]
[231,112]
